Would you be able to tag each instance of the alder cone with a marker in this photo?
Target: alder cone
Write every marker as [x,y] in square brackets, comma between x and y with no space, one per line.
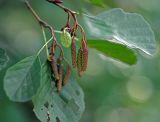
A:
[73,53]
[67,75]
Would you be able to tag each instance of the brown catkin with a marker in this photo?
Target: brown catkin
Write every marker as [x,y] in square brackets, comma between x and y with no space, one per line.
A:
[54,68]
[67,75]
[59,82]
[84,58]
[79,62]
[73,53]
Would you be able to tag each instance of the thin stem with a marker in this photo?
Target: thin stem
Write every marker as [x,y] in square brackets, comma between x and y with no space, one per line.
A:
[82,31]
[44,46]
[40,21]
[45,41]
[32,11]
[75,23]
[67,10]
[83,35]
[73,13]
[62,53]
[45,25]
[62,7]
[56,31]
[68,21]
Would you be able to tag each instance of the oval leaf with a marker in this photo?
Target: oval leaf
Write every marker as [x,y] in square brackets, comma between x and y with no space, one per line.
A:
[66,39]
[65,107]
[22,80]
[113,50]
[121,27]
[3,58]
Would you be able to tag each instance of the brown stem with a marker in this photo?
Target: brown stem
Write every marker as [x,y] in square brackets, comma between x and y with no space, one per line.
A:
[33,12]
[74,29]
[67,10]
[68,21]
[62,52]
[62,7]
[84,42]
[44,24]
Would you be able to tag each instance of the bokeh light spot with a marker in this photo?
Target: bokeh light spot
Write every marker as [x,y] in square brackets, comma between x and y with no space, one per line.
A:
[140,89]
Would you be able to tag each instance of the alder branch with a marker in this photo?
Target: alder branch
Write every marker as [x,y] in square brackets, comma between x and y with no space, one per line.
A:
[43,24]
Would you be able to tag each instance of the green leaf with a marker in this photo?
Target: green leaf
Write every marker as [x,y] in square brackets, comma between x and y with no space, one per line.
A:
[116,51]
[66,107]
[121,27]
[3,58]
[22,80]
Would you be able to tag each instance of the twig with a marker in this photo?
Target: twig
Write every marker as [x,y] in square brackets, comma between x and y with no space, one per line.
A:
[43,24]
[63,7]
[67,10]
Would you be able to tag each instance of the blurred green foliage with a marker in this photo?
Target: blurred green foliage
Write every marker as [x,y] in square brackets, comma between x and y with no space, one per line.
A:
[113,91]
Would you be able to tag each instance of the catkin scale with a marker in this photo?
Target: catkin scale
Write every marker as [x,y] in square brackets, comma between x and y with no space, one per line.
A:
[59,82]
[73,53]
[54,68]
[67,75]
[79,62]
[84,58]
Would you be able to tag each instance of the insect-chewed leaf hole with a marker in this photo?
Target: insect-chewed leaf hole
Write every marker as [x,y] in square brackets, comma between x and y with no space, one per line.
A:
[57,119]
[51,105]
[46,105]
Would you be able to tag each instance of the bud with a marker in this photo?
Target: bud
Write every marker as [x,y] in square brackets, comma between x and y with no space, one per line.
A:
[73,53]
[66,39]
[67,75]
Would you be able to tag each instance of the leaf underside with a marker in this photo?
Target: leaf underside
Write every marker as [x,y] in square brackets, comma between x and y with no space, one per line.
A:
[65,107]
[118,26]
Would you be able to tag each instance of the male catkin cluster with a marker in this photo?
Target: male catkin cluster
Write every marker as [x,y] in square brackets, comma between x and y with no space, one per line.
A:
[61,76]
[82,59]
[73,53]
[61,69]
